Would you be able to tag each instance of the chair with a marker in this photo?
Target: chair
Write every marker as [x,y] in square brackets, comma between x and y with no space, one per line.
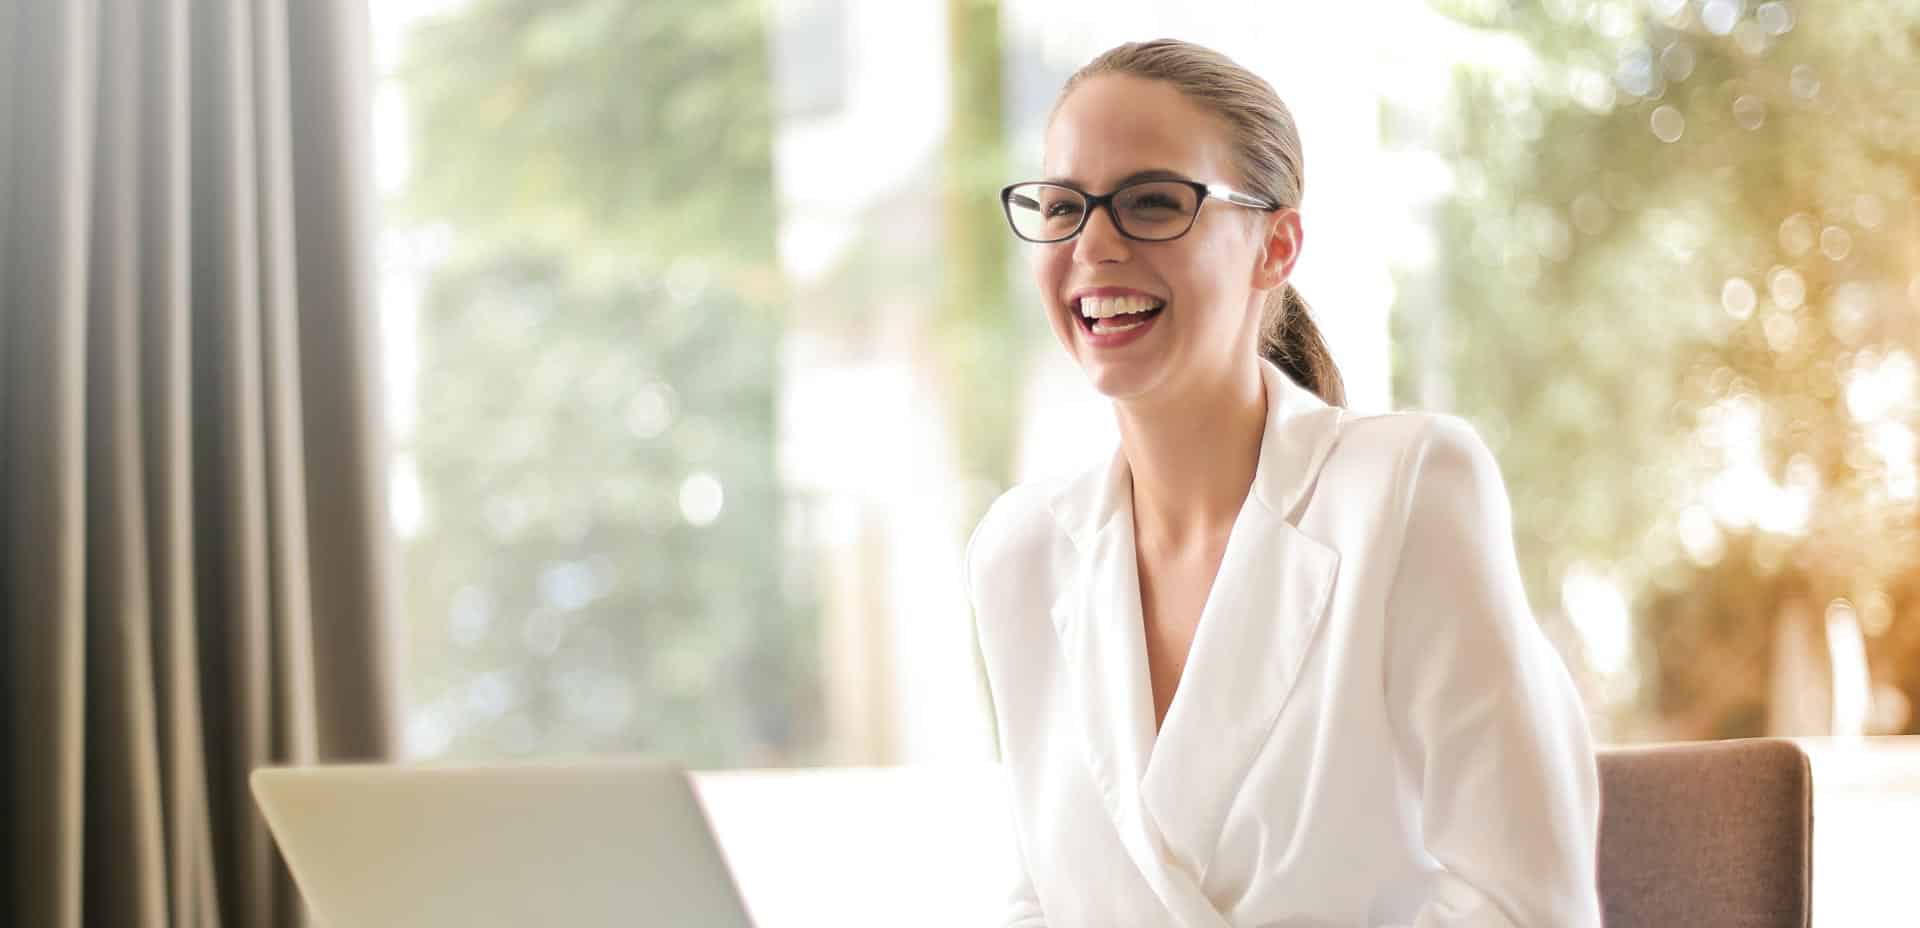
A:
[1706,834]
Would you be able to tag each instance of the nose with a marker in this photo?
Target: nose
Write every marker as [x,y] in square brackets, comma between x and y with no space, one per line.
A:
[1100,241]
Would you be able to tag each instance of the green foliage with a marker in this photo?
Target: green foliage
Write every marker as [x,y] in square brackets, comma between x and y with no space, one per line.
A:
[645,126]
[598,354]
[982,344]
[1626,204]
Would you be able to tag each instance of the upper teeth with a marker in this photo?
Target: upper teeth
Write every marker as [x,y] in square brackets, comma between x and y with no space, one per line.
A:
[1106,307]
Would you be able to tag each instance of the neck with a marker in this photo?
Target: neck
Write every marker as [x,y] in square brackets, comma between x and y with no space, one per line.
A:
[1193,458]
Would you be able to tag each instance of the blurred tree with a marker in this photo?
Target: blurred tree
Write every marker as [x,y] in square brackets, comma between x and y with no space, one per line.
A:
[979,340]
[600,565]
[1680,278]
[982,346]
[644,129]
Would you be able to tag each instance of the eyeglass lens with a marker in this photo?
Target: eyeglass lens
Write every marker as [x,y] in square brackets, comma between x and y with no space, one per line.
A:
[1156,210]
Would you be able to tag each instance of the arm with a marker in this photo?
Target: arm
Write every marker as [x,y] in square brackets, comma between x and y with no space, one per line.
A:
[1487,723]
[1023,907]
[1022,904]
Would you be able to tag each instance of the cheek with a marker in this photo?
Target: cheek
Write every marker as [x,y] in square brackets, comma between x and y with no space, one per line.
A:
[1045,263]
[1217,277]
[1049,265]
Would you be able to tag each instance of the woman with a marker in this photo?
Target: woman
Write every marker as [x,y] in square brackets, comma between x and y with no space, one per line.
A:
[1271,664]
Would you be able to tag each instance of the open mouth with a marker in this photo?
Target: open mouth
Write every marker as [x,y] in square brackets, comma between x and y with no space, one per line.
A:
[1110,315]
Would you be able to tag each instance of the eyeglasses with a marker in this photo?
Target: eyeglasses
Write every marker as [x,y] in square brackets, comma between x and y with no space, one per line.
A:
[1145,211]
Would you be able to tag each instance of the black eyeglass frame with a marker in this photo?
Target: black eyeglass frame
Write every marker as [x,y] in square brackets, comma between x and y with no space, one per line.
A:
[1203,191]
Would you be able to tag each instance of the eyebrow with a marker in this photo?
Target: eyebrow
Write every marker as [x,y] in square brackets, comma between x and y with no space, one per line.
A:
[1134,178]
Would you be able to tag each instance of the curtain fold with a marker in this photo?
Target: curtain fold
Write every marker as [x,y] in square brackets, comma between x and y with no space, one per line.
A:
[195,574]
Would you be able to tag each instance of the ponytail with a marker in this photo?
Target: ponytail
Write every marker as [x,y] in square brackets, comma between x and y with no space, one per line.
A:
[1290,340]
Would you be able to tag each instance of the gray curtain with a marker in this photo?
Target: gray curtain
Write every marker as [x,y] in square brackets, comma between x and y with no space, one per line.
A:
[194,566]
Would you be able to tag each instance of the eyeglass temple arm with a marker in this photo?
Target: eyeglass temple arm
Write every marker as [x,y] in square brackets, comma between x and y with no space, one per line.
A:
[1231,195]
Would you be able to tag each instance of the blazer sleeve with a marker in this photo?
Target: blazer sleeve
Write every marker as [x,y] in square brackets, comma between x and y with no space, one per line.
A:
[1022,908]
[1486,721]
[1022,905]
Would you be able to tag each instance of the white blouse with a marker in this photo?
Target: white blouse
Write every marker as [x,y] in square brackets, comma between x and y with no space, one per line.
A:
[1371,729]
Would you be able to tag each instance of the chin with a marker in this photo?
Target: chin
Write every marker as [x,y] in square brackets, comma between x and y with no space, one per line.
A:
[1119,381]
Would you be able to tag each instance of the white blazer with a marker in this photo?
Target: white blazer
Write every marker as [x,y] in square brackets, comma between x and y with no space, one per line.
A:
[1371,729]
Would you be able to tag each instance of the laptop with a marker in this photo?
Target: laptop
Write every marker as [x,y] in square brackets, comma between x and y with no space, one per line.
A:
[584,843]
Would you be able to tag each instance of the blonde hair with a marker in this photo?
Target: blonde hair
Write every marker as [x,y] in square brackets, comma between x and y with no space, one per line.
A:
[1266,147]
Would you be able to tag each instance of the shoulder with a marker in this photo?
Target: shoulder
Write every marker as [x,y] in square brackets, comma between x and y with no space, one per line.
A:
[1447,493]
[1413,475]
[1412,448]
[1018,529]
[1447,462]
[1411,430]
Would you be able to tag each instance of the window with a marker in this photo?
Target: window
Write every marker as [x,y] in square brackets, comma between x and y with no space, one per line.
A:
[683,467]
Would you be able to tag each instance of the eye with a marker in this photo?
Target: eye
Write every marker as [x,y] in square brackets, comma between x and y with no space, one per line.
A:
[1060,208]
[1157,198]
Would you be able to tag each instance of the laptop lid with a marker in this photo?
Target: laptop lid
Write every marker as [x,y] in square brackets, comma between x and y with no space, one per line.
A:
[583,843]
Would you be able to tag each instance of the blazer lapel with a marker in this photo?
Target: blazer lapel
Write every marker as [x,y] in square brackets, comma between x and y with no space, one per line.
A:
[1168,795]
[1101,639]
[1103,645]
[1260,620]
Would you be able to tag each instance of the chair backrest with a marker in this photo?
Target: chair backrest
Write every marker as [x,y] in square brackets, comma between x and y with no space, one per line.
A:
[1706,834]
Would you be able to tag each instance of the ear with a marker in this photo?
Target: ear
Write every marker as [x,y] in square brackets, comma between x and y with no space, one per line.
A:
[1283,236]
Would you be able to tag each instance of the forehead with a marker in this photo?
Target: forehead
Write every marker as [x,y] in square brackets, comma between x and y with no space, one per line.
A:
[1115,125]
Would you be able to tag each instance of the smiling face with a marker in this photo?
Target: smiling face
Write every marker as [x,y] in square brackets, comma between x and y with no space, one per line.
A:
[1113,129]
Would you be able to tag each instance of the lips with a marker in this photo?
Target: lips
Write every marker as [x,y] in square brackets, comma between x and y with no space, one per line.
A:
[1108,310]
[1109,324]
